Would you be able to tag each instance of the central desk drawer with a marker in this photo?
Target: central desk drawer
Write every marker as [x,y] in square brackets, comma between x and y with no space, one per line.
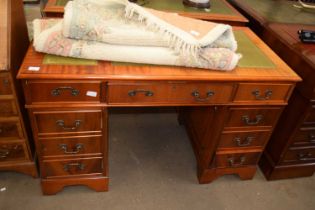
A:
[252,117]
[70,146]
[71,167]
[64,91]
[168,93]
[55,122]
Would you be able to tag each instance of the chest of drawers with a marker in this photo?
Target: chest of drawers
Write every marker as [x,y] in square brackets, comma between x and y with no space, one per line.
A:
[16,151]
[289,153]
[228,115]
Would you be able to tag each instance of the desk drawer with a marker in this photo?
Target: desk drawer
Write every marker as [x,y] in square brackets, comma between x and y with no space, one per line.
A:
[70,91]
[264,93]
[5,84]
[310,117]
[237,140]
[305,137]
[50,122]
[71,146]
[300,155]
[12,151]
[252,117]
[168,93]
[8,108]
[10,130]
[236,159]
[72,167]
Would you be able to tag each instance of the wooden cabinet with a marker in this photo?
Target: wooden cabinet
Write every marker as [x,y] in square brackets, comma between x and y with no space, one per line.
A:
[16,148]
[228,115]
[289,152]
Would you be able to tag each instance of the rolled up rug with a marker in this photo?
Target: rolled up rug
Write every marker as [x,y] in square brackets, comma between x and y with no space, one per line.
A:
[118,30]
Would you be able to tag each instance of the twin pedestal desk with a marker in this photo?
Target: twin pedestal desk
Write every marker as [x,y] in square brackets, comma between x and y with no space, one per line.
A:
[229,116]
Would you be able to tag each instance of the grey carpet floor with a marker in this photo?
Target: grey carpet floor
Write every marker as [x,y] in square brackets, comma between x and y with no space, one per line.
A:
[152,166]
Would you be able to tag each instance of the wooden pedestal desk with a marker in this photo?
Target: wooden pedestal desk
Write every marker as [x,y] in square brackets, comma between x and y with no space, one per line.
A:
[291,150]
[221,11]
[229,115]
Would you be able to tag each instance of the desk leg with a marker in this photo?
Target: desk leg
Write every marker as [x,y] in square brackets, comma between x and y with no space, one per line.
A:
[204,126]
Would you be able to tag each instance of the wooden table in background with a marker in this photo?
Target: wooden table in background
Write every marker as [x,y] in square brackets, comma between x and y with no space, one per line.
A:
[220,10]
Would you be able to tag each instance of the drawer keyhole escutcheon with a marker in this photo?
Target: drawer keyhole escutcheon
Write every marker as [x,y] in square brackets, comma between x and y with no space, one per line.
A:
[79,166]
[61,123]
[235,164]
[258,96]
[311,137]
[247,141]
[57,91]
[197,97]
[6,82]
[305,156]
[248,121]
[76,150]
[145,92]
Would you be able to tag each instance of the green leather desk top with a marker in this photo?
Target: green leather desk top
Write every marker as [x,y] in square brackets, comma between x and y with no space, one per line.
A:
[217,6]
[61,2]
[220,10]
[280,11]
[253,57]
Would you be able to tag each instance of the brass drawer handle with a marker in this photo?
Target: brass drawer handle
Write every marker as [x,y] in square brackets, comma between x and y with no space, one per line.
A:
[57,91]
[248,121]
[305,156]
[234,164]
[79,166]
[196,94]
[247,141]
[61,123]
[4,153]
[268,94]
[311,137]
[76,150]
[145,92]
